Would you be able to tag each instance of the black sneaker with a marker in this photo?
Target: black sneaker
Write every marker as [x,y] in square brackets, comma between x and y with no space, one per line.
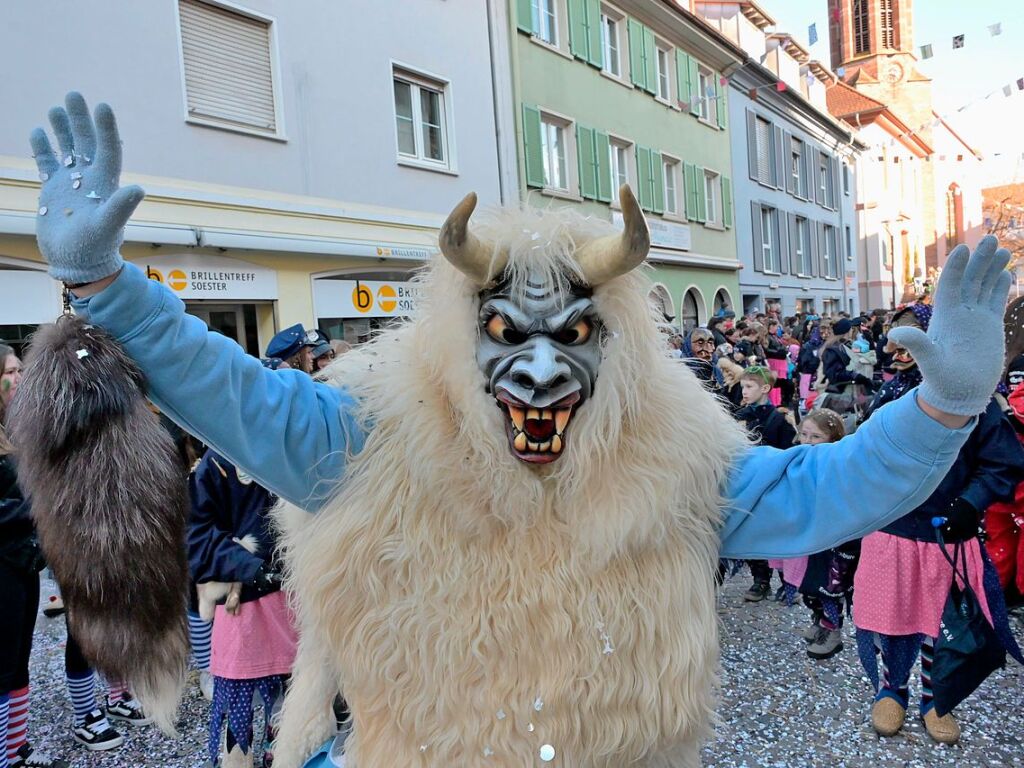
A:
[26,757]
[128,710]
[780,594]
[96,734]
[758,591]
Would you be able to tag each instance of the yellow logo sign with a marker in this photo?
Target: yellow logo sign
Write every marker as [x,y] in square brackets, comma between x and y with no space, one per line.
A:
[362,297]
[387,298]
[177,280]
[154,274]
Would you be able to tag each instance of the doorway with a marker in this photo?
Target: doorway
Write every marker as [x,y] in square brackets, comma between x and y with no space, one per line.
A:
[236,321]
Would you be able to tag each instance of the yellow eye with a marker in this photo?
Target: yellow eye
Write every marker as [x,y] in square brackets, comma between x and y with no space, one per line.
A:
[499,330]
[576,334]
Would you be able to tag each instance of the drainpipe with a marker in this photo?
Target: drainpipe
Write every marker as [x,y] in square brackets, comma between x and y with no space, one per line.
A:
[500,76]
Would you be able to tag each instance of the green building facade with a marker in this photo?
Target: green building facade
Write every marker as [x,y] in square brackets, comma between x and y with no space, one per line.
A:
[633,91]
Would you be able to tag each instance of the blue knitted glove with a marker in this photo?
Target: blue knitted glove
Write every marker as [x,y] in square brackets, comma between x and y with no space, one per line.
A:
[961,356]
[82,212]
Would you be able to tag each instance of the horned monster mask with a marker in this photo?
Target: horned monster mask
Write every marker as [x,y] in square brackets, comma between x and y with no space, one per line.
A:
[540,337]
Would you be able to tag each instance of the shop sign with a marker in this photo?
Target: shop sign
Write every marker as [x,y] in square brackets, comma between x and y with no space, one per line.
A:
[212,277]
[417,254]
[28,297]
[664,234]
[365,298]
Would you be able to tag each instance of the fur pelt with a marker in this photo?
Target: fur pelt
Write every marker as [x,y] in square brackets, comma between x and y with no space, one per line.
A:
[212,592]
[473,608]
[110,504]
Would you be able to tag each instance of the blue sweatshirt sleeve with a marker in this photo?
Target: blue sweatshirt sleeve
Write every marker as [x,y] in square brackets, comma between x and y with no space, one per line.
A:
[810,498]
[213,555]
[292,434]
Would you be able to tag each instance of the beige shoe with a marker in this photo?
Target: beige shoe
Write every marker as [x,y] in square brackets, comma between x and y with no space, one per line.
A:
[887,716]
[945,729]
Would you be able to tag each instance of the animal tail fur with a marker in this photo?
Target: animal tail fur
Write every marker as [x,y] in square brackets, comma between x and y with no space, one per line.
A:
[110,505]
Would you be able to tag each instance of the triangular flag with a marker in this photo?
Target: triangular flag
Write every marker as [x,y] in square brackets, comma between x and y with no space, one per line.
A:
[752,93]
[835,14]
[1007,90]
[926,51]
[763,57]
[958,41]
[723,80]
[995,29]
[710,91]
[959,158]
[780,86]
[1020,83]
[841,71]
[812,34]
[684,105]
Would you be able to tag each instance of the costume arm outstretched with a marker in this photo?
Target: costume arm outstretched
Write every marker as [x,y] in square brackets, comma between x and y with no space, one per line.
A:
[287,431]
[813,497]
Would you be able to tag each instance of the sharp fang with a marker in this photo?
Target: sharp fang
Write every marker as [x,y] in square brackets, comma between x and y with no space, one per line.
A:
[533,413]
[532,446]
[545,447]
[520,442]
[562,419]
[518,415]
[546,415]
[556,444]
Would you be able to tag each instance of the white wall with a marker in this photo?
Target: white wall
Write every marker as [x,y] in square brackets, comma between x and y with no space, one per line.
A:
[335,86]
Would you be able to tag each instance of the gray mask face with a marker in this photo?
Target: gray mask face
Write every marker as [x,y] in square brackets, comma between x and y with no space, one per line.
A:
[540,354]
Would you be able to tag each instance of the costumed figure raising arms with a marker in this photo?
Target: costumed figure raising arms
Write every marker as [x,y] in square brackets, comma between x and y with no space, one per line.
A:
[516,500]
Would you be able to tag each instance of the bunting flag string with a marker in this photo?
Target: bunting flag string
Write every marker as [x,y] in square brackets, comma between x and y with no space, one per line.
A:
[927,50]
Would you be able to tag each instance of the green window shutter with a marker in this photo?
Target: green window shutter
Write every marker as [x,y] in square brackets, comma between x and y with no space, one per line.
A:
[602,150]
[726,201]
[650,62]
[690,191]
[587,166]
[596,56]
[721,98]
[702,200]
[682,77]
[658,182]
[643,170]
[533,152]
[693,82]
[524,16]
[579,42]
[637,73]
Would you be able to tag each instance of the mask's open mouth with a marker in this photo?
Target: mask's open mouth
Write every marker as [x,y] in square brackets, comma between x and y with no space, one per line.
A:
[537,435]
[902,360]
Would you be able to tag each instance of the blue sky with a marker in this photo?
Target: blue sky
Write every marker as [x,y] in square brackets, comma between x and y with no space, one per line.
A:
[995,126]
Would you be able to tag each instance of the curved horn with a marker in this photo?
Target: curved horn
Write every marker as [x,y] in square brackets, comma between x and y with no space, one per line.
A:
[475,259]
[606,257]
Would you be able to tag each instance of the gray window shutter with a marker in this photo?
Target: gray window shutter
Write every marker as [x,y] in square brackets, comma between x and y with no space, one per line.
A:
[780,163]
[819,196]
[812,245]
[755,222]
[835,183]
[752,144]
[787,155]
[228,72]
[782,238]
[819,233]
[810,158]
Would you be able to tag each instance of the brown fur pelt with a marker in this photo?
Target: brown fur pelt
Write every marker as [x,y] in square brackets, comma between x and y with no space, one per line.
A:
[110,504]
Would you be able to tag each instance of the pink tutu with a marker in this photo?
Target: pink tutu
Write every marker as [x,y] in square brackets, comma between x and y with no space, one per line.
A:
[901,584]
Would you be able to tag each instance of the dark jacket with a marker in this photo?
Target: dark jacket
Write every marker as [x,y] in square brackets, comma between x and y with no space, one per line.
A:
[987,470]
[15,522]
[768,425]
[227,505]
[776,350]
[834,360]
[807,361]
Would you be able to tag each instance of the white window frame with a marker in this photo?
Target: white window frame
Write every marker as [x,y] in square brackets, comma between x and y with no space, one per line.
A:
[803,247]
[712,192]
[547,119]
[828,255]
[561,43]
[619,143]
[799,186]
[663,49]
[708,104]
[538,11]
[275,74]
[608,13]
[420,80]
[823,176]
[672,167]
[768,240]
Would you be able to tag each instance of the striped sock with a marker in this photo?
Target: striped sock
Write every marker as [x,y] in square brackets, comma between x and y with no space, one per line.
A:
[83,695]
[116,691]
[4,710]
[927,653]
[17,721]
[199,632]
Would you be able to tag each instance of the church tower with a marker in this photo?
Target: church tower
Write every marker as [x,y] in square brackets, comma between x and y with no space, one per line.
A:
[873,41]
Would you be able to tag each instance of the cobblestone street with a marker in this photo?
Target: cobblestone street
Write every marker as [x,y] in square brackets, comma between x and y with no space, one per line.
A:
[779,707]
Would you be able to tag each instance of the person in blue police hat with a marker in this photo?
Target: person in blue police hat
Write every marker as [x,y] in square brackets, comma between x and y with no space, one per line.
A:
[294,345]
